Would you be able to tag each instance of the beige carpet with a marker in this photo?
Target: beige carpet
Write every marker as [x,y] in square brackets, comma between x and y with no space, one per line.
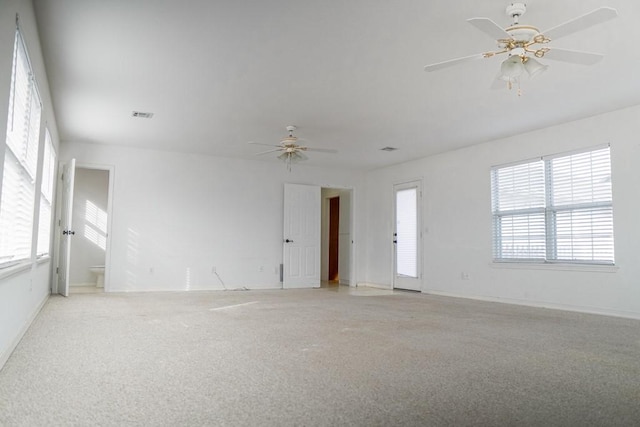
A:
[318,357]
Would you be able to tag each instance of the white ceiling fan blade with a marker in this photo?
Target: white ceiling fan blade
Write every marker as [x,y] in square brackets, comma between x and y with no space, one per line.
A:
[452,62]
[266,145]
[490,28]
[581,22]
[267,152]
[573,56]
[319,150]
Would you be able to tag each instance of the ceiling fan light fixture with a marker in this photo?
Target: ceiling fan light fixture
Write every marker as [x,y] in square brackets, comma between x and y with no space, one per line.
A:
[511,67]
[533,67]
[296,157]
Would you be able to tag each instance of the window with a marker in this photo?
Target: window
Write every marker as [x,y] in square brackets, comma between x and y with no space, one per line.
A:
[46,196]
[406,236]
[17,199]
[555,209]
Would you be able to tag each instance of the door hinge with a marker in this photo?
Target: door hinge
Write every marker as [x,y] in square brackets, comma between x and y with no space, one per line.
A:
[57,270]
[62,177]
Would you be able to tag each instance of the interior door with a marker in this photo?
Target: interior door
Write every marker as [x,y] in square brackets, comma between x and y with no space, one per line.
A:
[407,237]
[301,240]
[64,261]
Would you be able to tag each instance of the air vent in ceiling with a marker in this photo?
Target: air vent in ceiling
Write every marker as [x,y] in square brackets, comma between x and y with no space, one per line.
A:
[142,115]
[388,149]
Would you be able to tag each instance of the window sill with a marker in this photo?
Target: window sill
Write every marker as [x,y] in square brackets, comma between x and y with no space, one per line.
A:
[43,259]
[14,269]
[20,266]
[592,268]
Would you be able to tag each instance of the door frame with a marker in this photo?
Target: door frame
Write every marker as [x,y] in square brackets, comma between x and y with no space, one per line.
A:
[107,261]
[409,183]
[351,277]
[333,226]
[352,226]
[334,191]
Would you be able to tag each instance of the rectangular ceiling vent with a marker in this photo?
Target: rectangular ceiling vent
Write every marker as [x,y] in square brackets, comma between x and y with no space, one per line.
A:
[142,115]
[388,149]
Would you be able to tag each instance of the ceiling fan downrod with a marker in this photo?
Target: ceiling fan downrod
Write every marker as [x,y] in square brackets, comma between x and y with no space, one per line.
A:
[515,11]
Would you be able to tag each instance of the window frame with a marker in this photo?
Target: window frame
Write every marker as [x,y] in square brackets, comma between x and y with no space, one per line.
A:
[24,161]
[45,227]
[550,212]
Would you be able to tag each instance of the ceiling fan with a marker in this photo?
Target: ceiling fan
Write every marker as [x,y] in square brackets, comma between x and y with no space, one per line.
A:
[290,150]
[524,44]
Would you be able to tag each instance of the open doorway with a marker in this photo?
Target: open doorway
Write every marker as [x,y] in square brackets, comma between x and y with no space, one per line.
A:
[90,221]
[336,236]
[334,240]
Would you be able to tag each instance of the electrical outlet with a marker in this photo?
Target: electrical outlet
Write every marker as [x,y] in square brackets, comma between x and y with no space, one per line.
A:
[464,275]
[150,270]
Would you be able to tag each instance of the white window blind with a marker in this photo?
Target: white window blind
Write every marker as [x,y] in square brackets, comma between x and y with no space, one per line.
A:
[20,163]
[580,206]
[519,211]
[407,232]
[46,196]
[556,209]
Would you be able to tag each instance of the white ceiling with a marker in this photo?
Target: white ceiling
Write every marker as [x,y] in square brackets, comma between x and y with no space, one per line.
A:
[349,74]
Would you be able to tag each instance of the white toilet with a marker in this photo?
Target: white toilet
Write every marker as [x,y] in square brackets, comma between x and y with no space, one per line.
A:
[98,270]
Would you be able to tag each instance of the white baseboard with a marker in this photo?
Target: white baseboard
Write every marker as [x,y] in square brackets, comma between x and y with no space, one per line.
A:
[14,343]
[542,304]
[374,285]
[82,285]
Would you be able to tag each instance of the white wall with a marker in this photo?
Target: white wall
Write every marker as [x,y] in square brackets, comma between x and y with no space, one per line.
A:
[88,244]
[22,296]
[177,216]
[457,221]
[22,292]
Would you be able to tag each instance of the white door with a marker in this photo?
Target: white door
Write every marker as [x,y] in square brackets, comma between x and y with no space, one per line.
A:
[301,254]
[68,176]
[407,237]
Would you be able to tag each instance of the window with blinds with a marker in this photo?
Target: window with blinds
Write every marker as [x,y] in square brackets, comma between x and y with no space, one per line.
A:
[46,196]
[17,197]
[555,209]
[407,232]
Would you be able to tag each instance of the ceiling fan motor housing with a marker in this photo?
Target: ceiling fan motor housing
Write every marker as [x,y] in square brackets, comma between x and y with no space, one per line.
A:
[522,33]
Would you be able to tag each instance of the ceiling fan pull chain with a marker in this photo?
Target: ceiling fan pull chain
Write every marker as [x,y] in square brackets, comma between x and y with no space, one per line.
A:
[519,89]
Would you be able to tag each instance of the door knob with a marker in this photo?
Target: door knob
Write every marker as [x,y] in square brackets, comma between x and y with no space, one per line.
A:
[68,232]
[288,241]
